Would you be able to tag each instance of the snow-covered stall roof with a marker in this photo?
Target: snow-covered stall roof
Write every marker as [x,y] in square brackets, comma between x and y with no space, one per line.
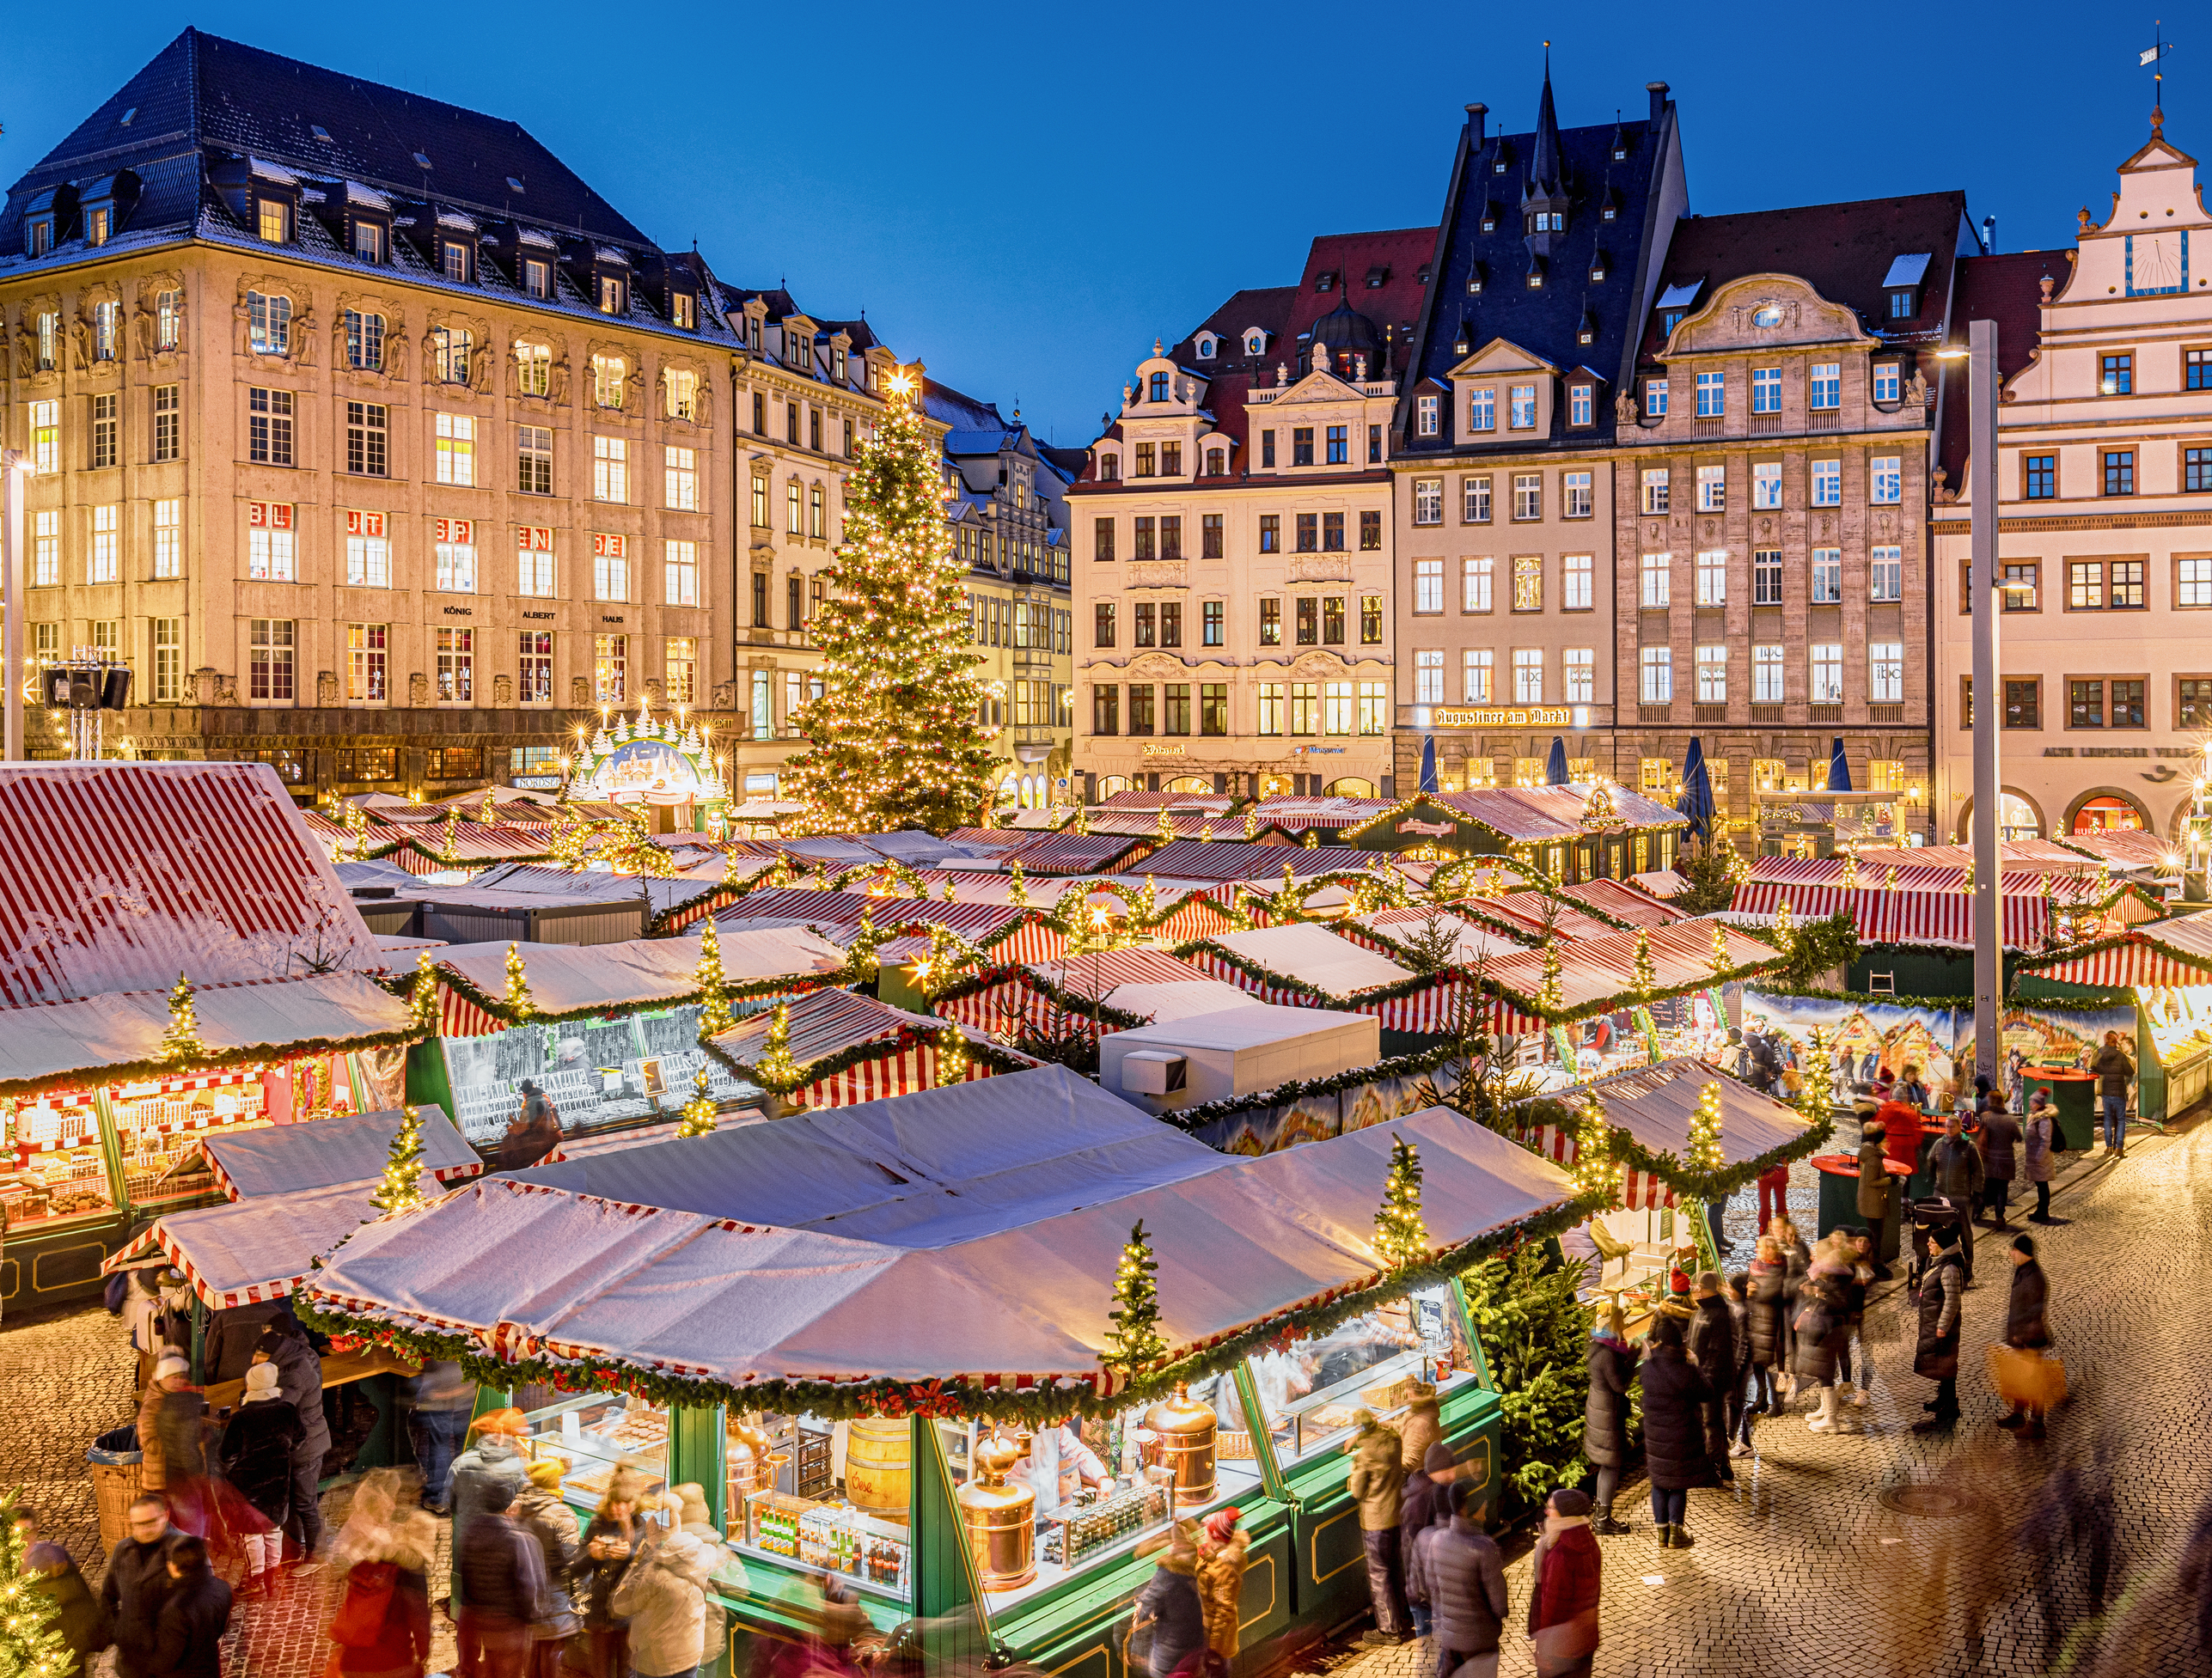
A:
[286,1159]
[1652,1105]
[1312,956]
[121,875]
[114,1036]
[528,1269]
[257,1250]
[572,980]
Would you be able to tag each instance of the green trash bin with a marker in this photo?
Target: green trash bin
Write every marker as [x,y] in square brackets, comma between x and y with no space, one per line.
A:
[2074,1095]
[1839,1199]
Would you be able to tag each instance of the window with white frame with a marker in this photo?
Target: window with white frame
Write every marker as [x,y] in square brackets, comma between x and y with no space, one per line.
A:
[169,539]
[1713,577]
[105,562]
[367,552]
[1428,501]
[1826,663]
[45,550]
[610,668]
[168,660]
[1825,386]
[368,663]
[1655,399]
[268,324]
[271,555]
[1656,572]
[610,567]
[1475,500]
[1885,574]
[1479,668]
[364,340]
[680,393]
[1521,415]
[1656,669]
[680,669]
[1827,575]
[532,368]
[1428,677]
[1577,582]
[455,551]
[455,444]
[1483,410]
[1886,381]
[1767,675]
[1766,390]
[1766,487]
[2193,583]
[1581,404]
[1528,495]
[270,666]
[1712,489]
[682,568]
[1428,587]
[794,509]
[1655,492]
[1580,667]
[1828,483]
[1336,715]
[1712,395]
[1713,675]
[1528,675]
[46,435]
[1424,416]
[534,562]
[681,474]
[1885,673]
[450,351]
[1766,577]
[1575,500]
[456,666]
[533,667]
[610,468]
[1475,578]
[608,375]
[1886,479]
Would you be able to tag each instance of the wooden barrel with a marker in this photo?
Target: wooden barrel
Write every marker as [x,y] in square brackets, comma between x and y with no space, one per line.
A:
[879,1464]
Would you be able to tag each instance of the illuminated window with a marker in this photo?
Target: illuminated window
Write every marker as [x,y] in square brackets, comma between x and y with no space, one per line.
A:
[367,663]
[455,446]
[610,469]
[683,573]
[682,478]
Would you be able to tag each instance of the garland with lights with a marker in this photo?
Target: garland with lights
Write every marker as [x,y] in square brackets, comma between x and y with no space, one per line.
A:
[979,1050]
[1401,1237]
[1019,973]
[401,1189]
[887,872]
[181,1043]
[1067,1396]
[1690,1181]
[32,1644]
[108,1072]
[500,1008]
[1433,803]
[1203,1113]
[714,1015]
[895,741]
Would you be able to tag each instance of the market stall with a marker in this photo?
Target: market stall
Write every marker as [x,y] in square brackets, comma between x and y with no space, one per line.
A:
[1573,833]
[1100,991]
[2160,972]
[288,1159]
[841,1048]
[816,1320]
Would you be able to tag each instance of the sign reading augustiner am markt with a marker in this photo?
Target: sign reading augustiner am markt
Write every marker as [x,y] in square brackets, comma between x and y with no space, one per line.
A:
[1484,716]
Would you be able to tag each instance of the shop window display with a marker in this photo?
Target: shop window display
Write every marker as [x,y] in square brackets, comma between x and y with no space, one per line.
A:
[592,1436]
[1310,1393]
[55,1166]
[827,1497]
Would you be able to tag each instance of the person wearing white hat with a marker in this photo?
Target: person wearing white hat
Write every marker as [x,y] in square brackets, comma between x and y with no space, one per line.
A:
[172,1421]
[256,1452]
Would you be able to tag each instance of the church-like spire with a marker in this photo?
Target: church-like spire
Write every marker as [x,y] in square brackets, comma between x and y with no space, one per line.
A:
[1543,165]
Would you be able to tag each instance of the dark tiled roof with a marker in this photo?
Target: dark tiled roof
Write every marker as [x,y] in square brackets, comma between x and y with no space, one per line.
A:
[958,410]
[1231,372]
[2007,289]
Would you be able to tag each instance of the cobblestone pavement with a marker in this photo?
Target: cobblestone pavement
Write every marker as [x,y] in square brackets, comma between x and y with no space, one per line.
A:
[1895,1555]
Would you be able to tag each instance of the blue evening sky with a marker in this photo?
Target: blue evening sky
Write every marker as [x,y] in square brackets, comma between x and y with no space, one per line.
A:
[1026,196]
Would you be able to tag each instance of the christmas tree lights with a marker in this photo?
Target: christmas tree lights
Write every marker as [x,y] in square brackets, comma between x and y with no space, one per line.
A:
[1205,833]
[1134,1343]
[698,1113]
[1785,928]
[1313,838]
[1705,1153]
[1818,1091]
[1595,1171]
[422,1000]
[1722,960]
[32,1644]
[1018,890]
[448,845]
[1251,825]
[1550,997]
[714,1015]
[1165,832]
[401,1189]
[357,831]
[952,1060]
[487,812]
[1401,1237]
[1646,974]
[181,1044]
[775,1071]
[1850,871]
[895,743]
[518,997]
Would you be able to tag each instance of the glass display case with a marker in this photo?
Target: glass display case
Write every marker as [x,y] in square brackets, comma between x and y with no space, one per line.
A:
[53,1166]
[1375,1362]
[600,1074]
[2180,1020]
[592,1434]
[831,1496]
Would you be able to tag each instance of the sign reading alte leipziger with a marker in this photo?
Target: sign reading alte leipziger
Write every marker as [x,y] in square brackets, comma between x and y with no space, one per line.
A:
[1528,717]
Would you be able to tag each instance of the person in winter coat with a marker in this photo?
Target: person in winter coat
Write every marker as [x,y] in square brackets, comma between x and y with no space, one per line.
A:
[1169,1603]
[1797,1258]
[1712,1348]
[2038,1137]
[149,1306]
[1767,1303]
[1425,1503]
[233,1335]
[492,1467]
[664,1596]
[173,1443]
[1376,1481]
[1465,1579]
[257,1451]
[1955,1164]
[299,1370]
[541,1512]
[79,1615]
[2027,1325]
[1737,1415]
[534,1133]
[2000,1139]
[1224,1552]
[195,1614]
[438,1401]
[1420,1427]
[1605,1413]
[602,1649]
[1675,1396]
[382,1625]
[1820,1328]
[504,1580]
[1935,1352]
[137,1585]
[1855,1247]
[1569,1576]
[2114,1070]
[1875,1192]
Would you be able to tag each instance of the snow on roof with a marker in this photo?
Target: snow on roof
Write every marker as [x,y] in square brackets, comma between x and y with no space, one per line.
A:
[1252,1025]
[259,1249]
[570,978]
[286,1159]
[1181,999]
[118,876]
[1314,956]
[1654,1103]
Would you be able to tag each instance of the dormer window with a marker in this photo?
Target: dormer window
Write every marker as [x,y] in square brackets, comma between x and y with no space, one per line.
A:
[1489,222]
[98,224]
[613,295]
[1324,282]
[682,311]
[273,221]
[1498,167]
[1109,468]
[1669,320]
[1619,153]
[1474,279]
[1375,276]
[1904,302]
[836,364]
[38,235]
[1548,221]
[369,242]
[1205,346]
[1159,388]
[537,277]
[1606,214]
[1598,270]
[1256,344]
[1587,332]
[1536,279]
[452,259]
[1581,404]
[1424,416]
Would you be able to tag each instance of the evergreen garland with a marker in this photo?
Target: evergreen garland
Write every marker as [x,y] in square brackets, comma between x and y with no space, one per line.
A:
[181,1044]
[895,741]
[1401,1237]
[32,1644]
[401,1188]
[1134,1343]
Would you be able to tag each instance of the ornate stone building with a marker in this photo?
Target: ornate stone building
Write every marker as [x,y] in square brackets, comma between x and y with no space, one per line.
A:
[2104,507]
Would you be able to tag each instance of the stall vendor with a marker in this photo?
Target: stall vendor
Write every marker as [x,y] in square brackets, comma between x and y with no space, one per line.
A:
[1057,1465]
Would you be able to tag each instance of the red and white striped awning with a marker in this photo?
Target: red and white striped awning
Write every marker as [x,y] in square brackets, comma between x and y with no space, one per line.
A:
[1905,917]
[460,1017]
[2175,952]
[895,1072]
[1640,1190]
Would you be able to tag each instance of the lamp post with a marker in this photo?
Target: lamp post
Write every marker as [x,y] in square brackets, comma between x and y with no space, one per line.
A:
[1980,358]
[15,467]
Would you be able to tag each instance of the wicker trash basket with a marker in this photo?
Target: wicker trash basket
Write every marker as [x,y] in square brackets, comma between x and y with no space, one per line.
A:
[117,1471]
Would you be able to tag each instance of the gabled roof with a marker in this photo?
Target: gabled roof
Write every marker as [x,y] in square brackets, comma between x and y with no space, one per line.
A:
[2007,289]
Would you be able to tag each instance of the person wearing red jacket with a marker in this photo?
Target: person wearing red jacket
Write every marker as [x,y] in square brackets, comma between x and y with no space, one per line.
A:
[1563,1606]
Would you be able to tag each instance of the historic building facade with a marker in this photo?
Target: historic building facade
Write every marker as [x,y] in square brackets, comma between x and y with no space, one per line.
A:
[1771,512]
[1505,440]
[2105,504]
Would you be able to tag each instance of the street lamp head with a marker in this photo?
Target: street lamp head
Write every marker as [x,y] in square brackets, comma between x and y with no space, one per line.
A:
[1953,352]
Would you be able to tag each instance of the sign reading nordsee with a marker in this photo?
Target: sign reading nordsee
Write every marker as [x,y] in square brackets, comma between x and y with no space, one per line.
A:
[1485,716]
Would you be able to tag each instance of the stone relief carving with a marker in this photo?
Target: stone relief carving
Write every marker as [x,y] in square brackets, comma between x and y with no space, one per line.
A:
[725,696]
[226,689]
[326,687]
[502,691]
[203,682]
[579,692]
[418,688]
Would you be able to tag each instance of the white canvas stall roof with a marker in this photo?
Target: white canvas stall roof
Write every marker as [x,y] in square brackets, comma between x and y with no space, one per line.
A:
[1251,1026]
[257,1250]
[1181,999]
[926,1170]
[121,875]
[1653,1105]
[1314,955]
[42,1045]
[286,1159]
[534,883]
[565,979]
[525,1266]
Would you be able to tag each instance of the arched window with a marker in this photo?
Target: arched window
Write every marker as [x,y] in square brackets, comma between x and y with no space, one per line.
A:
[269,324]
[2101,816]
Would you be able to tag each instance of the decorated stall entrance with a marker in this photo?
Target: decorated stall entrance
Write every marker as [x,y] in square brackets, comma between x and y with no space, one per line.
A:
[664,772]
[2161,974]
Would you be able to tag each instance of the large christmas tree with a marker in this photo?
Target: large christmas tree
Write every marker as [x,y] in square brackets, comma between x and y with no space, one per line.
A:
[895,739]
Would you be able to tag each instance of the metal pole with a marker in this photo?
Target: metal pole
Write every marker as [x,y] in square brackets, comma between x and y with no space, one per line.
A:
[1989,695]
[14,468]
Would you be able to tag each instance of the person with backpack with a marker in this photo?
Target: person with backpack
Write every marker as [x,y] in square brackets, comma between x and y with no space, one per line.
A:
[382,1625]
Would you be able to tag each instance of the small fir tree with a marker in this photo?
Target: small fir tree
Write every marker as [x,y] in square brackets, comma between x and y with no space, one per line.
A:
[1535,1338]
[449,843]
[1205,833]
[32,1644]
[1595,1171]
[1401,1237]
[1890,878]
[517,998]
[181,1044]
[952,1060]
[1165,832]
[401,1189]
[1146,910]
[1647,975]
[714,1015]
[1723,958]
[1818,1072]
[1850,881]
[775,1071]
[1785,928]
[1705,1153]
[422,1000]
[698,1113]
[1018,890]
[1134,1343]
[895,743]
[1251,825]
[1080,825]
[1550,998]
[1313,838]
[488,811]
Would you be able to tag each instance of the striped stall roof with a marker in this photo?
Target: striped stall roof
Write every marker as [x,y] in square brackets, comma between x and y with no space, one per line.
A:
[1182,800]
[1536,813]
[2128,849]
[1075,853]
[1237,859]
[1624,902]
[1009,932]
[1188,823]
[1525,912]
[2072,882]
[2159,953]
[1594,971]
[1022,998]
[1944,918]
[121,875]
[1641,1191]
[990,839]
[476,843]
[830,1022]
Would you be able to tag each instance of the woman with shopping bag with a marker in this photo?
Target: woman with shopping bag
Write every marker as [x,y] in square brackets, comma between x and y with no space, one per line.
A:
[2027,1375]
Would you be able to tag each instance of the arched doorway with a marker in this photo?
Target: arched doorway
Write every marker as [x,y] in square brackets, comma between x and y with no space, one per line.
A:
[2107,813]
[1110,784]
[1199,783]
[2018,818]
[1351,786]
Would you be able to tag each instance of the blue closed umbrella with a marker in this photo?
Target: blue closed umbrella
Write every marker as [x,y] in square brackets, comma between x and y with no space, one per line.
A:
[1555,766]
[1696,800]
[1839,768]
[1428,764]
